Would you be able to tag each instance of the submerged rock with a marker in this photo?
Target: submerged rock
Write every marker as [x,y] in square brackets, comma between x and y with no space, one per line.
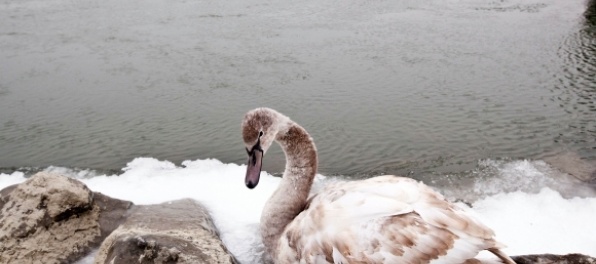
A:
[54,219]
[574,165]
[180,231]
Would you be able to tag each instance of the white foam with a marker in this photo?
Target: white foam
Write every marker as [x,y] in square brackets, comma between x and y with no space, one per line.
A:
[528,222]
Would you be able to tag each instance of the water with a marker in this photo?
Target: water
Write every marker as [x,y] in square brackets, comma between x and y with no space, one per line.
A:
[383,86]
[469,96]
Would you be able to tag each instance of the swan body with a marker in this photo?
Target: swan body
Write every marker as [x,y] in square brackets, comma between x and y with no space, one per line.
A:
[385,219]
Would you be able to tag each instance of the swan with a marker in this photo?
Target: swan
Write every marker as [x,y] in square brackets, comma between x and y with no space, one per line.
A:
[385,219]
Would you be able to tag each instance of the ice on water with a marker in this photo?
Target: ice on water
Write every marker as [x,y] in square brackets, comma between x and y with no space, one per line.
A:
[527,220]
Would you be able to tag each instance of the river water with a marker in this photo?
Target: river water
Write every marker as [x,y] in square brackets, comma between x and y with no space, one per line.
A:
[470,96]
[383,86]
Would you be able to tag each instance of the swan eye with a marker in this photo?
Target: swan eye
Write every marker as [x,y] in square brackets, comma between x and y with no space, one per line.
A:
[260,133]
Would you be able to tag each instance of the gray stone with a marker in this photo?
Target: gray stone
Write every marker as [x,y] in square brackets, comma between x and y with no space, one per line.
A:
[51,218]
[54,219]
[180,231]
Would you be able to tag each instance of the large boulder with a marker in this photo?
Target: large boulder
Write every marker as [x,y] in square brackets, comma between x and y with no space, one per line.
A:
[54,219]
[180,231]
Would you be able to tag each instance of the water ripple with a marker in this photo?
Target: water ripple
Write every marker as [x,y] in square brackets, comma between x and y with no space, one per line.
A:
[383,86]
[576,87]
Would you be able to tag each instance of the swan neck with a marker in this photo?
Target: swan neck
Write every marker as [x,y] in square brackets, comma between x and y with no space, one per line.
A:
[290,197]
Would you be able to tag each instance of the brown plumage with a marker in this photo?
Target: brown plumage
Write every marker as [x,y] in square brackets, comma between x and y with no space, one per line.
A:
[385,219]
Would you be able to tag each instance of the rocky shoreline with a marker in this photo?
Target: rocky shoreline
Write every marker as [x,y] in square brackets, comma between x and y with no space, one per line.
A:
[55,219]
[51,218]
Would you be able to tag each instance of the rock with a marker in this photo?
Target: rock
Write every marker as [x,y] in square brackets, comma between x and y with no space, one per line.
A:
[554,259]
[180,231]
[574,165]
[112,213]
[54,219]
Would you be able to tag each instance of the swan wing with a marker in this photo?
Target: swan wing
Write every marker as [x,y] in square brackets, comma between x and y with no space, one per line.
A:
[385,219]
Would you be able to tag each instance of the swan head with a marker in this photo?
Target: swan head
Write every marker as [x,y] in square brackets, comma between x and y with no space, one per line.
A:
[259,129]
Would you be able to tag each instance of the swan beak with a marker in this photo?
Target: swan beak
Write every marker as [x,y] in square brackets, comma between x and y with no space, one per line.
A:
[253,168]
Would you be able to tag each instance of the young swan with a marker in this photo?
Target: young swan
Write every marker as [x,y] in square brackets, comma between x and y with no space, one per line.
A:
[385,219]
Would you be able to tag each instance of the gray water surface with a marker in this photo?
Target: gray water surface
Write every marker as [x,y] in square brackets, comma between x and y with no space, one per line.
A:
[382,86]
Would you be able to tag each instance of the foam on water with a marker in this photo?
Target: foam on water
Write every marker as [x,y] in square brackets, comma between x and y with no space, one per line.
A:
[528,222]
